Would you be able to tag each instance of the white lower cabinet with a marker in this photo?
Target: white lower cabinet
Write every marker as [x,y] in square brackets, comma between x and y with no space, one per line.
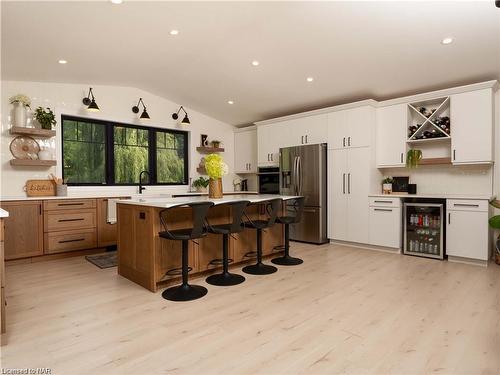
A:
[467,231]
[385,225]
[348,189]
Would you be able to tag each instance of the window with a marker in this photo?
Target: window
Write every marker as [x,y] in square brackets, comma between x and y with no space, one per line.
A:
[104,153]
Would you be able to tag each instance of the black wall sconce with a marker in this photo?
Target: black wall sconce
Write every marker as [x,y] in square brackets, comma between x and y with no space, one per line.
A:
[91,104]
[185,121]
[144,114]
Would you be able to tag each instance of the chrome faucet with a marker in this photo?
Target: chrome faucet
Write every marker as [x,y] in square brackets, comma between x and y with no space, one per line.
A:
[141,188]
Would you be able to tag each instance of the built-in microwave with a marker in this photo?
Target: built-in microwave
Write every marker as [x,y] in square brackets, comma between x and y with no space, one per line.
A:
[269,180]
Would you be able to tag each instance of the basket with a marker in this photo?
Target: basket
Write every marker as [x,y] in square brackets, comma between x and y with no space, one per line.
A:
[215,188]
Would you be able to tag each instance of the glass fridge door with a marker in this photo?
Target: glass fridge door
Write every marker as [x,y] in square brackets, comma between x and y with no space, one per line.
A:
[423,230]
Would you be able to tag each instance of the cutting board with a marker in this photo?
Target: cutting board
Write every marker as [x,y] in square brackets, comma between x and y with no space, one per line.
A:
[40,188]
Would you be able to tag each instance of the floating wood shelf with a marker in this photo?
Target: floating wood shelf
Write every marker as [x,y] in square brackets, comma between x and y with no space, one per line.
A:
[33,163]
[34,132]
[429,140]
[209,150]
[201,170]
[435,161]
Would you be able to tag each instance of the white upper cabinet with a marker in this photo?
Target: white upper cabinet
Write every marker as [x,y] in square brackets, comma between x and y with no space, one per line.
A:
[391,136]
[245,154]
[351,127]
[472,127]
[310,130]
[268,144]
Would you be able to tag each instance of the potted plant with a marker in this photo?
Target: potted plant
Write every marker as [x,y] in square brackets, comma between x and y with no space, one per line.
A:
[45,118]
[201,184]
[216,168]
[215,143]
[495,224]
[387,185]
[413,157]
[20,102]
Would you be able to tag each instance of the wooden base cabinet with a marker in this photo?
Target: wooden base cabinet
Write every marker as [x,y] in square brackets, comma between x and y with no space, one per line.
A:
[23,229]
[2,279]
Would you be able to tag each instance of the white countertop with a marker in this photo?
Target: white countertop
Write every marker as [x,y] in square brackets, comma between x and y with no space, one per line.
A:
[3,213]
[171,202]
[113,195]
[205,193]
[439,196]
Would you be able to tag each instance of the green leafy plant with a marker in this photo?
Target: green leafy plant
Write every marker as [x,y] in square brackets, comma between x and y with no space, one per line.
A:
[215,143]
[201,183]
[387,180]
[215,166]
[494,222]
[413,157]
[46,118]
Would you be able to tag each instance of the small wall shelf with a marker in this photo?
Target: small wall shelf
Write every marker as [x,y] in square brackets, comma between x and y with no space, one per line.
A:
[34,132]
[209,150]
[435,161]
[429,140]
[33,163]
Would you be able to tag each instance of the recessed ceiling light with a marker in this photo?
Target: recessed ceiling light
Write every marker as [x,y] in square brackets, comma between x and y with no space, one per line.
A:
[255,63]
[62,62]
[174,32]
[447,40]
[230,102]
[117,1]
[309,79]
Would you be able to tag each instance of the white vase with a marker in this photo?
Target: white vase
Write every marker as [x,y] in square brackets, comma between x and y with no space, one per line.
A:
[19,115]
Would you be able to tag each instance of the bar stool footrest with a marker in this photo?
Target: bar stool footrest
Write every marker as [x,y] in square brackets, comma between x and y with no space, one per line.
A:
[176,271]
[250,254]
[219,262]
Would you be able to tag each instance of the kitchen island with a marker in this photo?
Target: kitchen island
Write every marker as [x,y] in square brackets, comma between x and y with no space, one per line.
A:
[151,261]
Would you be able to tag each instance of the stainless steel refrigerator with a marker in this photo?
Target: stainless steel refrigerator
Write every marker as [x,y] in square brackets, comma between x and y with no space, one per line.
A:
[303,172]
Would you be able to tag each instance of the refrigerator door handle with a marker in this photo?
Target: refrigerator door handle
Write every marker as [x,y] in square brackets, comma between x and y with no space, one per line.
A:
[348,183]
[299,175]
[294,175]
[343,183]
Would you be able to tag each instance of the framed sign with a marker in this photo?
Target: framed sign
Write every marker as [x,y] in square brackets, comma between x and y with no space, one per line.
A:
[40,188]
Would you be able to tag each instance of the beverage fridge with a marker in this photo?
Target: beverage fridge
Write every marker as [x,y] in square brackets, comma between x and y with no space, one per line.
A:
[423,229]
[303,172]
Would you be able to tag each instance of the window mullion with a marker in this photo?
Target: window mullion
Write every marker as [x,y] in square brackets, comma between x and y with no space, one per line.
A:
[152,157]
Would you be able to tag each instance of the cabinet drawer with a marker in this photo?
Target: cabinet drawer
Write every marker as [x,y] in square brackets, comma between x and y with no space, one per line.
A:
[70,219]
[68,204]
[385,202]
[467,205]
[70,240]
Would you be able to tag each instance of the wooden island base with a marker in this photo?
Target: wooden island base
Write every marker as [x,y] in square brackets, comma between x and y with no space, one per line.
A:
[145,258]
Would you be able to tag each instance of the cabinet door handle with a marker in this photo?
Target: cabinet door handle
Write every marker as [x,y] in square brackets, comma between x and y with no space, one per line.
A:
[348,141]
[306,138]
[401,157]
[465,205]
[302,140]
[382,201]
[70,204]
[348,183]
[75,240]
[343,183]
[64,220]
[449,217]
[454,151]
[343,142]
[272,157]
[383,209]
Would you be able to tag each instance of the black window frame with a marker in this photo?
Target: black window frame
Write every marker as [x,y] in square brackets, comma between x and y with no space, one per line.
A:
[109,162]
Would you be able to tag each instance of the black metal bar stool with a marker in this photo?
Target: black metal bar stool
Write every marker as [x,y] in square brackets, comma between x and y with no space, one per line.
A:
[226,278]
[199,210]
[272,208]
[293,208]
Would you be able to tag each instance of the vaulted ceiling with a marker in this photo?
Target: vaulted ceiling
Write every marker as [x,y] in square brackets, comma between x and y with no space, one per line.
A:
[353,50]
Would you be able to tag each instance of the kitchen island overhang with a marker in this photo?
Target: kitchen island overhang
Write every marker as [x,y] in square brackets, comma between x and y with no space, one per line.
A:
[153,262]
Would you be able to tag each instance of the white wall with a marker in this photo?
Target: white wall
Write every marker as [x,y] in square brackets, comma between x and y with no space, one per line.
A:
[116,105]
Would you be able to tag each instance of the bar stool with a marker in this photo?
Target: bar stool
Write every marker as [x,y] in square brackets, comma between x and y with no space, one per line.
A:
[226,278]
[294,208]
[199,210]
[272,208]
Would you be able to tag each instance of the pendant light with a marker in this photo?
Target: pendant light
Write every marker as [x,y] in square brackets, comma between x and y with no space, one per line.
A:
[185,121]
[144,114]
[91,104]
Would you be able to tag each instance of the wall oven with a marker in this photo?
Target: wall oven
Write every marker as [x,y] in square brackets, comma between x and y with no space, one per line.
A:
[269,180]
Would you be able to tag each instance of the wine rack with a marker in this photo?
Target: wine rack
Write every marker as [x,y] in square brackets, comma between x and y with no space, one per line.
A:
[429,120]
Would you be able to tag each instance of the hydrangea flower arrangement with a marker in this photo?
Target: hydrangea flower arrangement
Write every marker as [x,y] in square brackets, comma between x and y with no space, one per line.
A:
[215,166]
[20,98]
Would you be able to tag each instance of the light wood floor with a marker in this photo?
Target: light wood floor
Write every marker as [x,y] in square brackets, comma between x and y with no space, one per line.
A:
[345,310]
